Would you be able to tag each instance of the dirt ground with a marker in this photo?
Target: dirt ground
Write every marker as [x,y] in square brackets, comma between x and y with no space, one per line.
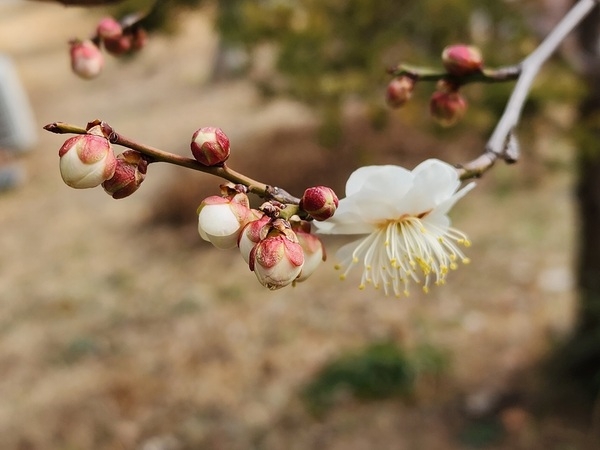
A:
[119,334]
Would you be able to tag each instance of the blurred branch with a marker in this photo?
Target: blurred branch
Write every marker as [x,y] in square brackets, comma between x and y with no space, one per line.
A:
[503,144]
[81,2]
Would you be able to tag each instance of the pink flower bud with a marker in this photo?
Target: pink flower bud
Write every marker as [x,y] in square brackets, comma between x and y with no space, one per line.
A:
[210,146]
[108,28]
[314,251]
[139,39]
[220,219]
[86,161]
[462,60]
[118,45]
[129,174]
[251,235]
[276,261]
[447,108]
[86,59]
[320,202]
[399,91]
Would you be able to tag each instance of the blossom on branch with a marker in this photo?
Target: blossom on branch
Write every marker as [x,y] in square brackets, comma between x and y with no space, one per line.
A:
[403,216]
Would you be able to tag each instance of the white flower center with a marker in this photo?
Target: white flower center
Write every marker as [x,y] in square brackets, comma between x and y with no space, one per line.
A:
[405,249]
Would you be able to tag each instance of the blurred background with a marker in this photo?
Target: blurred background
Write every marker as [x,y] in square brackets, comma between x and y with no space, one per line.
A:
[121,329]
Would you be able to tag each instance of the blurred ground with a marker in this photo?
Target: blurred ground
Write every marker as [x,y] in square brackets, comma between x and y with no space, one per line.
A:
[115,334]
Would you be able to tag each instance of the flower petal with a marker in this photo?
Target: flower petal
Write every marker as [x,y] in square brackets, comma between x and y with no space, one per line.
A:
[382,178]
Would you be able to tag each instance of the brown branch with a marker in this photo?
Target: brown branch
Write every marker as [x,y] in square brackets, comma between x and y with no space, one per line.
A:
[157,155]
[81,2]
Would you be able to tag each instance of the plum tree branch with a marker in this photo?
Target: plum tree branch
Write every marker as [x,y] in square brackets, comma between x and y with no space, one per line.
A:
[156,155]
[81,2]
[503,143]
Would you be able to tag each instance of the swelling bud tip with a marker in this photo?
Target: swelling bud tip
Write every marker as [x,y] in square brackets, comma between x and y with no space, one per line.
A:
[320,202]
[399,91]
[447,108]
[86,59]
[86,161]
[210,146]
[462,60]
[130,172]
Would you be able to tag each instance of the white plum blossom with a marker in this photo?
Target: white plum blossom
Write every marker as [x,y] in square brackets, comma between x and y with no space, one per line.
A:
[403,215]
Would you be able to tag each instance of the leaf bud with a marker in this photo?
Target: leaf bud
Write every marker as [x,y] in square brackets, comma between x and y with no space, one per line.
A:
[462,60]
[86,59]
[447,108]
[320,202]
[86,160]
[399,91]
[130,172]
[210,146]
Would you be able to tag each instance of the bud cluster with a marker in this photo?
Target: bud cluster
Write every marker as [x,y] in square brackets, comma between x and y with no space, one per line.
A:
[275,240]
[87,59]
[446,106]
[279,251]
[88,160]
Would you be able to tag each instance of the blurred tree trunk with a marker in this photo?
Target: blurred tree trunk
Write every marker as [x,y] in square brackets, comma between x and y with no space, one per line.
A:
[579,359]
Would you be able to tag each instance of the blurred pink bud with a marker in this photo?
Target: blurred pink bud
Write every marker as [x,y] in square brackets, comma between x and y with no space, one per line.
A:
[139,39]
[251,235]
[314,251]
[129,174]
[109,28]
[118,45]
[220,219]
[462,60]
[399,91]
[320,202]
[86,161]
[210,146]
[447,108]
[276,261]
[86,59]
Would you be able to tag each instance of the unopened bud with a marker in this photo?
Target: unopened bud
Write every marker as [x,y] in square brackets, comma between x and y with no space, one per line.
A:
[447,108]
[320,202]
[118,45]
[220,219]
[86,161]
[399,91]
[86,59]
[108,28]
[139,39]
[129,174]
[251,235]
[462,60]
[277,261]
[314,251]
[210,146]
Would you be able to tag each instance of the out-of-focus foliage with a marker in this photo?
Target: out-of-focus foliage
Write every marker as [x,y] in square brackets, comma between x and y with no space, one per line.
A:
[381,370]
[330,51]
[325,53]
